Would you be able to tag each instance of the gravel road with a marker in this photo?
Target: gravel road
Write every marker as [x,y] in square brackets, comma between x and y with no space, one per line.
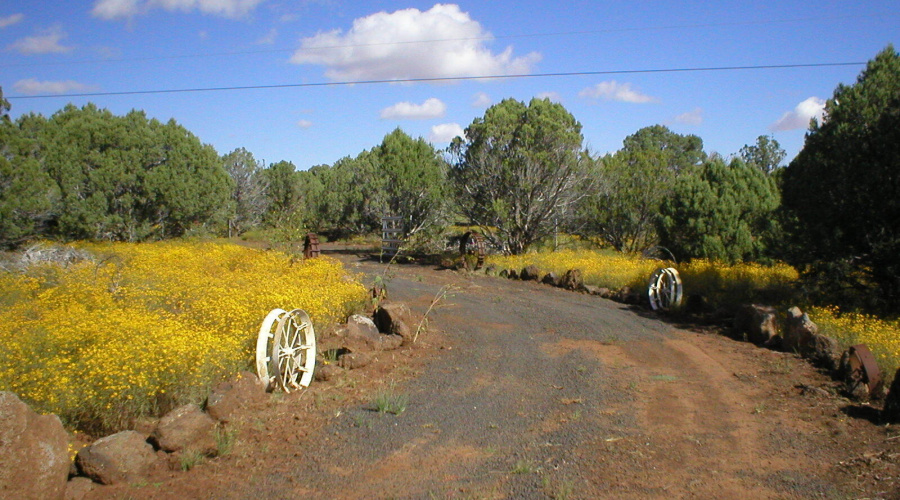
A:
[518,390]
[545,393]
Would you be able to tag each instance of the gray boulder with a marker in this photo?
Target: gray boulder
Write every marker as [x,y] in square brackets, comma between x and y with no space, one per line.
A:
[79,487]
[891,412]
[799,331]
[394,318]
[572,280]
[324,372]
[361,329]
[823,351]
[186,428]
[757,322]
[33,452]
[123,457]
[354,360]
[530,273]
[245,390]
[550,279]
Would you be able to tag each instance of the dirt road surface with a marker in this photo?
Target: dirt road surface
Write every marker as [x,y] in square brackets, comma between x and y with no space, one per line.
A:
[521,390]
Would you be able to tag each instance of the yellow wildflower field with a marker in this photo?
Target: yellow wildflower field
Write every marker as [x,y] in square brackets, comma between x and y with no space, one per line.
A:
[141,327]
[880,335]
[725,285]
[722,285]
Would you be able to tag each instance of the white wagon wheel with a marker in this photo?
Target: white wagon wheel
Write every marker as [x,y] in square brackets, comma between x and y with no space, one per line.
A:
[265,366]
[665,289]
[294,350]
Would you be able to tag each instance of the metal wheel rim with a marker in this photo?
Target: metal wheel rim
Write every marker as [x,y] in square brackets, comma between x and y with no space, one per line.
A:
[294,351]
[265,343]
[665,289]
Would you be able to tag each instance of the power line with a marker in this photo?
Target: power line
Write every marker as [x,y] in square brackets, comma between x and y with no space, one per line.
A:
[442,40]
[439,79]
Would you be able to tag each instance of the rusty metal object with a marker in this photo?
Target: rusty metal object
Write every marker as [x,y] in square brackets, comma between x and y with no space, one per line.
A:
[472,243]
[863,369]
[311,246]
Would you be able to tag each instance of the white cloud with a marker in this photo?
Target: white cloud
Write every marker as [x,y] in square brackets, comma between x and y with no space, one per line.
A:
[304,124]
[108,52]
[125,9]
[800,116]
[431,108]
[445,132]
[481,100]
[268,38]
[46,42]
[553,96]
[116,9]
[442,42]
[615,91]
[10,20]
[32,87]
[694,117]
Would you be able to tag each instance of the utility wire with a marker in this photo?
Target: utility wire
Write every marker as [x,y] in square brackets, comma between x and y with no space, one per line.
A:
[439,79]
[441,40]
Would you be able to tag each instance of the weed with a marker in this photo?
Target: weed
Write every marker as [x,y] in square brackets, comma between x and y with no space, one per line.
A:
[611,339]
[781,366]
[523,467]
[190,459]
[557,490]
[441,295]
[388,401]
[362,421]
[665,378]
[225,439]
[330,355]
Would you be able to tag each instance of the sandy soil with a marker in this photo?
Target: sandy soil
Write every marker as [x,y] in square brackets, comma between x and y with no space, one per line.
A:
[520,390]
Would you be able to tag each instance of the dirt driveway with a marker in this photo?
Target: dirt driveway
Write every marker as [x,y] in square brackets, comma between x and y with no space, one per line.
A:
[520,390]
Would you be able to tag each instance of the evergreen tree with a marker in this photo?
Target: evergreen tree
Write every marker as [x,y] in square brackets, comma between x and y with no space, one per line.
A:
[414,180]
[118,177]
[718,212]
[623,205]
[843,190]
[518,170]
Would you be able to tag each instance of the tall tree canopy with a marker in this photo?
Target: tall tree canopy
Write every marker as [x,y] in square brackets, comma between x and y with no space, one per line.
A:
[622,206]
[718,212]
[120,177]
[673,151]
[249,201]
[414,179]
[765,155]
[283,191]
[844,187]
[518,168]
[27,194]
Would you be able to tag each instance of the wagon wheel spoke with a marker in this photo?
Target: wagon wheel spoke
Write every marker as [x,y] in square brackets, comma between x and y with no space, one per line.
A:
[295,350]
[265,343]
[664,289]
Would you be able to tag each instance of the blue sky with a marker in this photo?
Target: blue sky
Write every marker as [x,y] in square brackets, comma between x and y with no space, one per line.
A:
[50,50]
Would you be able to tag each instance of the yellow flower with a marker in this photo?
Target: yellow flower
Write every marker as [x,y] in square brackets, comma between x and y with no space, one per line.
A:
[103,341]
